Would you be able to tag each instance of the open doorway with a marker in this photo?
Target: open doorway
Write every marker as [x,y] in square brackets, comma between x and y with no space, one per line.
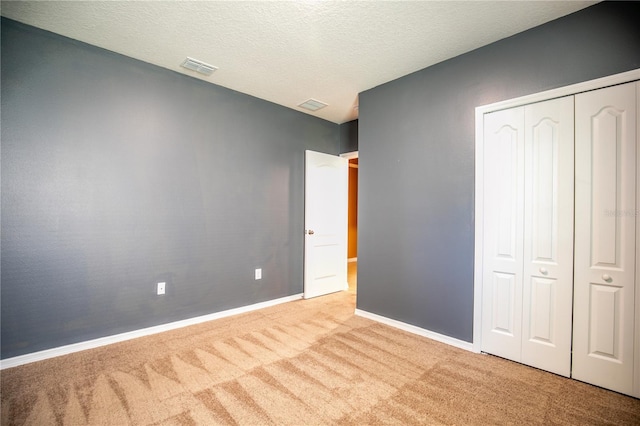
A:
[352,240]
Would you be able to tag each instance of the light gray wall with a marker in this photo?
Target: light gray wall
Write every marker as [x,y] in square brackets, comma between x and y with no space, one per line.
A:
[117,174]
[416,150]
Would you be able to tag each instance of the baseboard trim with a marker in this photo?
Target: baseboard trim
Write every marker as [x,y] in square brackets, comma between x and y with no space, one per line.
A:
[116,338]
[416,330]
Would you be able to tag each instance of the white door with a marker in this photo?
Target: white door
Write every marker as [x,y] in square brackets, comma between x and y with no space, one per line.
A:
[325,218]
[503,233]
[605,207]
[548,236]
[528,234]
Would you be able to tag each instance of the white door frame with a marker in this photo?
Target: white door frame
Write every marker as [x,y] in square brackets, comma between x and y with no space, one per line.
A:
[479,178]
[350,155]
[636,367]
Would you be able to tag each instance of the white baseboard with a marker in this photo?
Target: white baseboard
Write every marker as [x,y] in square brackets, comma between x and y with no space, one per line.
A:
[103,341]
[417,330]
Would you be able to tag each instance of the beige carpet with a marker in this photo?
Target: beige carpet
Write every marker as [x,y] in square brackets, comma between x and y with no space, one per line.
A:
[309,362]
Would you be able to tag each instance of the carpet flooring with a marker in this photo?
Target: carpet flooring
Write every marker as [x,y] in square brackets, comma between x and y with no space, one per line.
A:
[308,362]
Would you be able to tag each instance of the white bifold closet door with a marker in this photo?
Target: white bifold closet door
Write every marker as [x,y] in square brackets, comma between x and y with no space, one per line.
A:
[605,237]
[528,234]
[503,260]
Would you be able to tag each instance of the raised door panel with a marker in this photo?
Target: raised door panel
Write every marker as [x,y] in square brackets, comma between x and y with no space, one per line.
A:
[502,233]
[548,235]
[604,288]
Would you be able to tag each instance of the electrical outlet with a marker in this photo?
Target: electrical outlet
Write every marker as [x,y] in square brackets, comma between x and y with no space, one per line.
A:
[258,274]
[161,288]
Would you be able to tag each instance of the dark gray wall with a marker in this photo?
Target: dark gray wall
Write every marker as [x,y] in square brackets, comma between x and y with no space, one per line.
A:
[416,150]
[349,136]
[117,174]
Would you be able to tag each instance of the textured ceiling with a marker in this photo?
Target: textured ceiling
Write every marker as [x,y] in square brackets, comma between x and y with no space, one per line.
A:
[288,52]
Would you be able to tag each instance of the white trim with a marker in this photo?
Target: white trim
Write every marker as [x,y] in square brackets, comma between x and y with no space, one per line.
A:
[352,259]
[636,379]
[479,220]
[350,155]
[103,341]
[416,330]
[586,86]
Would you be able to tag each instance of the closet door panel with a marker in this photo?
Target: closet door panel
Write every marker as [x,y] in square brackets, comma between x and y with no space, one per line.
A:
[502,233]
[548,235]
[603,338]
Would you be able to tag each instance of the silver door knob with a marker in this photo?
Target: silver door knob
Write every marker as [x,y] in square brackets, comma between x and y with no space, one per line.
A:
[544,271]
[607,278]
[310,232]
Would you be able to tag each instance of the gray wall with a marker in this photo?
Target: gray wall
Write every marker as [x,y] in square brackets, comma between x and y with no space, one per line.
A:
[117,174]
[416,150]
[349,136]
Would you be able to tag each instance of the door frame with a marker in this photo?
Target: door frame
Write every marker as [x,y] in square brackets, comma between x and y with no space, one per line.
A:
[306,274]
[636,348]
[350,156]
[573,89]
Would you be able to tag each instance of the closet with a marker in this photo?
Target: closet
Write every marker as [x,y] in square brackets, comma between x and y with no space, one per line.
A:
[556,257]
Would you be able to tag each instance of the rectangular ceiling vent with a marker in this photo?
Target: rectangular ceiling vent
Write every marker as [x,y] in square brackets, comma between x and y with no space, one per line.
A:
[198,66]
[312,105]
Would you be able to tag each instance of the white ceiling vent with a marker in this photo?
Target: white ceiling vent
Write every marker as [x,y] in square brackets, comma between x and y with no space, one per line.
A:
[312,105]
[198,66]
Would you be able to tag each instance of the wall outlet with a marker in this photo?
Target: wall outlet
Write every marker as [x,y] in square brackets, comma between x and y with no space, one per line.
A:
[161,288]
[258,274]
